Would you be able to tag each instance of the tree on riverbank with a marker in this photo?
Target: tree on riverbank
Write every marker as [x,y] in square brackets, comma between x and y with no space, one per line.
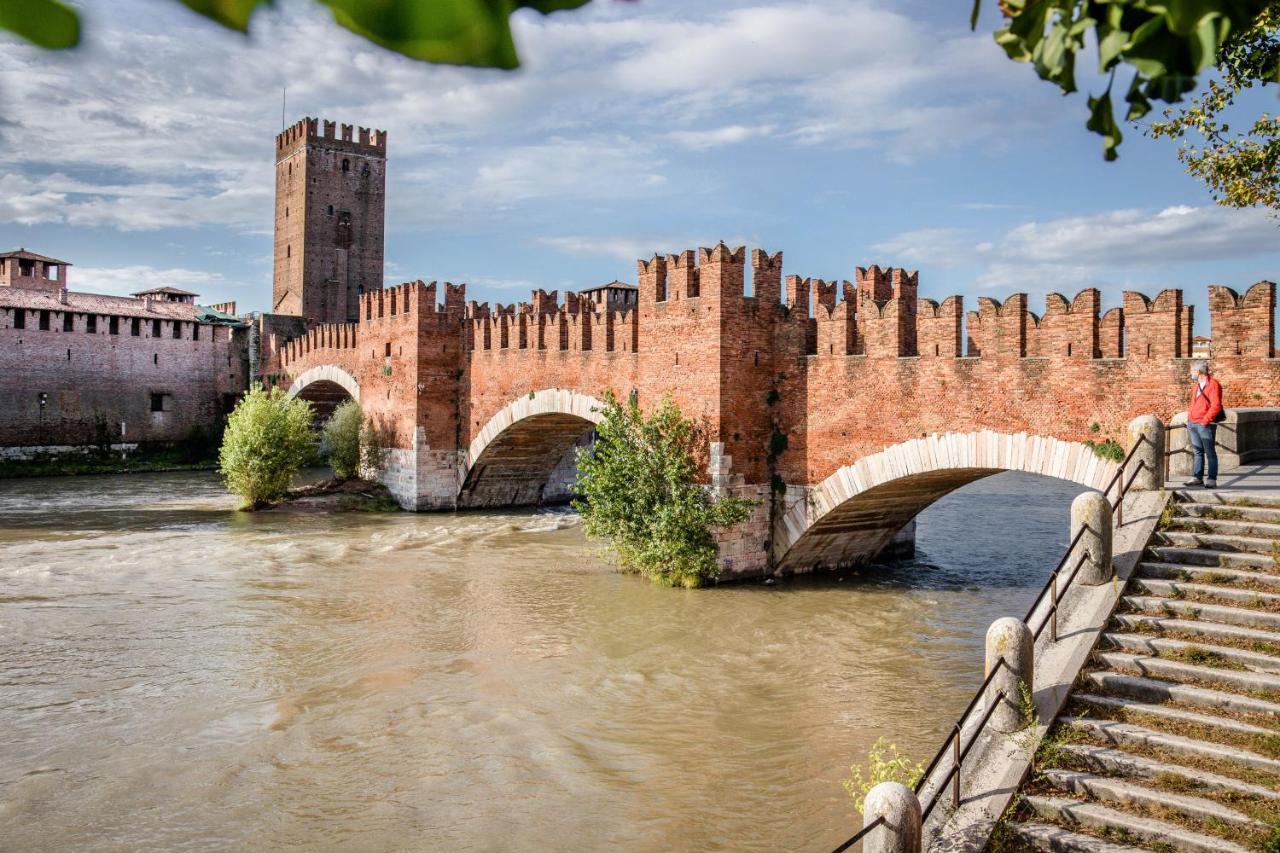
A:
[268,438]
[342,439]
[637,488]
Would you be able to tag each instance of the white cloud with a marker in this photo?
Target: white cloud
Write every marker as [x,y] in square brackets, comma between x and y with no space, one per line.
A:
[719,136]
[1130,247]
[166,120]
[125,280]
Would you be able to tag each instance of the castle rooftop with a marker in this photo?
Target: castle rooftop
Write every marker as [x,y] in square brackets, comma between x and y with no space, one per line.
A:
[32,256]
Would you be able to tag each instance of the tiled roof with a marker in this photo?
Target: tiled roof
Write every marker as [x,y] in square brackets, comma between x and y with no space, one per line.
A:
[174,290]
[31,256]
[95,303]
[613,285]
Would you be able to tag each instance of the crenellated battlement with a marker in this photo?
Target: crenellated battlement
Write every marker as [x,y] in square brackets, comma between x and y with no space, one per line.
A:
[413,301]
[344,137]
[544,323]
[330,337]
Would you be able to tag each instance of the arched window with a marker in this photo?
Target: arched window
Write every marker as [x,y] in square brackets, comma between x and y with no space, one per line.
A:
[346,165]
[288,251]
[331,210]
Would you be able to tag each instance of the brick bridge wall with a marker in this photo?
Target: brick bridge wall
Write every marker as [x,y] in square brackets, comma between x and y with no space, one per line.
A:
[791,383]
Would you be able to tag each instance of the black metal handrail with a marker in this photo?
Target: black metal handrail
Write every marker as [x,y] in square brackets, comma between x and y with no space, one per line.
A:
[1054,594]
[953,738]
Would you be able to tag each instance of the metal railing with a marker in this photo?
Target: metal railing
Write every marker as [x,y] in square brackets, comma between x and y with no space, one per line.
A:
[1168,449]
[1052,594]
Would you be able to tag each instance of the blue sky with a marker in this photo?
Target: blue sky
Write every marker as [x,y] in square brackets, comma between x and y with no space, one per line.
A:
[844,133]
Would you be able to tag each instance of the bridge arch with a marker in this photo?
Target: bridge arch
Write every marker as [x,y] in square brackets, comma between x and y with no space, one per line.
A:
[853,514]
[514,456]
[325,386]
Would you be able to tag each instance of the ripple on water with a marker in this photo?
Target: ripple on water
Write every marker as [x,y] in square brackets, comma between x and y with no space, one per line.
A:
[186,675]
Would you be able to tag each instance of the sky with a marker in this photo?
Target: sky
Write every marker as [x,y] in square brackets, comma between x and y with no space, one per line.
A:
[843,132]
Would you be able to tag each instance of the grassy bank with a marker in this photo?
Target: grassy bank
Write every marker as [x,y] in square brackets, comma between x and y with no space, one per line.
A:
[76,464]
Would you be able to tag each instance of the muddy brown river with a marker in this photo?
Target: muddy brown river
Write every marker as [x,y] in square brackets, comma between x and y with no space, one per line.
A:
[180,676]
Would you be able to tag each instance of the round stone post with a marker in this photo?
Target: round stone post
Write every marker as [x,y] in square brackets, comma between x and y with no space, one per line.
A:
[1151,478]
[1090,510]
[900,808]
[1010,639]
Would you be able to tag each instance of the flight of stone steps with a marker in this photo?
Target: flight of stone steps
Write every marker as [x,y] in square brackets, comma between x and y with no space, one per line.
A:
[1171,737]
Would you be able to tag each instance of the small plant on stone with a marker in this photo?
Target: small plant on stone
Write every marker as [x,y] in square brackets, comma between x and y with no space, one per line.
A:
[884,764]
[1167,515]
[1107,449]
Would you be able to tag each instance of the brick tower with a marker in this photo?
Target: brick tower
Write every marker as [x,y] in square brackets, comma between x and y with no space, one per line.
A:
[330,201]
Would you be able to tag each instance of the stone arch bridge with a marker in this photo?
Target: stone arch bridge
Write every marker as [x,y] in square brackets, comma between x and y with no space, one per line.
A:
[844,407]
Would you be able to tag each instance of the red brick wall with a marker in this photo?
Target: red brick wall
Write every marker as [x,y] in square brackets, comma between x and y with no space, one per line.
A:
[324,259]
[92,378]
[875,367]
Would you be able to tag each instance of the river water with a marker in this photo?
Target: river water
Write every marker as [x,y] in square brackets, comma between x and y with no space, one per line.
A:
[177,675]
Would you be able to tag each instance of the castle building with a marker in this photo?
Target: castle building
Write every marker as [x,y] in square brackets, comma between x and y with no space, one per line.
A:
[31,271]
[88,369]
[330,198]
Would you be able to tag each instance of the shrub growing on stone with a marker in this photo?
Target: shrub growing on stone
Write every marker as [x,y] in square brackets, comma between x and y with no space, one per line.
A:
[267,439]
[637,488]
[342,439]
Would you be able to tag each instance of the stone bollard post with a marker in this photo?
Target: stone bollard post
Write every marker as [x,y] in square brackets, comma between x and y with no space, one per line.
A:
[900,808]
[1091,510]
[1010,639]
[1151,478]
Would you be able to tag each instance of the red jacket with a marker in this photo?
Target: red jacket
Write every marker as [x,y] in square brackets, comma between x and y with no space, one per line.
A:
[1206,404]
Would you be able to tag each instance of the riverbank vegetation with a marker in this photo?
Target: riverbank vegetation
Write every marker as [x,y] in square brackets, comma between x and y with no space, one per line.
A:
[268,438]
[197,452]
[637,489]
[884,764]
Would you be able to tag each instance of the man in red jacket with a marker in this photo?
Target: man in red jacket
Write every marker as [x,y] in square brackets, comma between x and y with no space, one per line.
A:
[1202,426]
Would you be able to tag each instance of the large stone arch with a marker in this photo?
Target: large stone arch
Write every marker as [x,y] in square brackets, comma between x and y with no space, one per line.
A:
[853,514]
[512,458]
[325,386]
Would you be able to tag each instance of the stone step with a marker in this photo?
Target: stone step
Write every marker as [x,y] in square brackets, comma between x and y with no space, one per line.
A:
[1184,589]
[1256,545]
[1102,819]
[1121,791]
[1223,527]
[1204,612]
[1175,670]
[1129,735]
[1212,630]
[1196,509]
[1056,839]
[1223,498]
[1172,713]
[1214,575]
[1149,645]
[1155,691]
[1194,556]
[1112,761]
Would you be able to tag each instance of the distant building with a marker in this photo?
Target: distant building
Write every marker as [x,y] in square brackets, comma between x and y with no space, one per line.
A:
[91,369]
[167,294]
[616,295]
[31,271]
[1201,346]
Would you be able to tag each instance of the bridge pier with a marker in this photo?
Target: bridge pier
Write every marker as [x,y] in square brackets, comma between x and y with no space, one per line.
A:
[422,479]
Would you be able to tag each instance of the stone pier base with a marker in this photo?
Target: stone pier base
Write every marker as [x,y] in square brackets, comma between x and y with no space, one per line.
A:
[422,479]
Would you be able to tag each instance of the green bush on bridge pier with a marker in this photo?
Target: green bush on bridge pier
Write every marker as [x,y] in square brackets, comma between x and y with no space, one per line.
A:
[637,488]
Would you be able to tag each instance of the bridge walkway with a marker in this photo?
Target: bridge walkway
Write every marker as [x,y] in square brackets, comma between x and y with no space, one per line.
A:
[1170,739]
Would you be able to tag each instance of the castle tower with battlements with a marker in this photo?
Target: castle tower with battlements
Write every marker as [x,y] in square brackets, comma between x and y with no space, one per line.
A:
[330,206]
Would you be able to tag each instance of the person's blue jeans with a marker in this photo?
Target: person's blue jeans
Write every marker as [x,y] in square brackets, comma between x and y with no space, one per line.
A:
[1204,445]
